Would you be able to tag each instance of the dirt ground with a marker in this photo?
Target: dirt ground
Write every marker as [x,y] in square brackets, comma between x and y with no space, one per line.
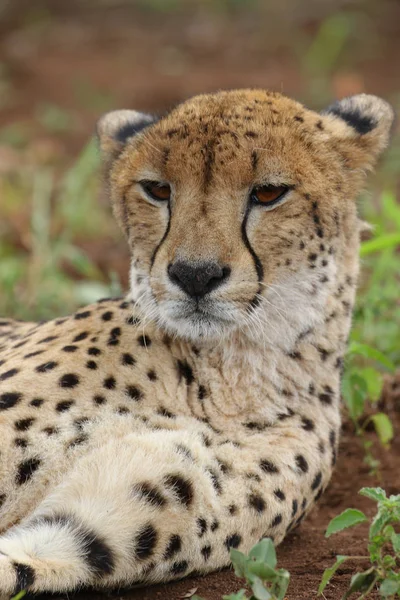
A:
[150,64]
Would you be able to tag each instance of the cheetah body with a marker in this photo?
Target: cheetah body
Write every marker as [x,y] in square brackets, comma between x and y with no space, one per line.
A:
[140,445]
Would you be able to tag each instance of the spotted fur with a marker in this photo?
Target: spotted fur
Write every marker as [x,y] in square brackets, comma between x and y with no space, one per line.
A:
[143,438]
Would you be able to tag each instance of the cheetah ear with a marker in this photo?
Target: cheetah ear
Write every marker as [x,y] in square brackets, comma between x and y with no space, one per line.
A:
[363,123]
[116,128]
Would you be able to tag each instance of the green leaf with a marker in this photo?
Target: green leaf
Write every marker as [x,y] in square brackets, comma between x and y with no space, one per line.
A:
[240,595]
[355,394]
[377,493]
[362,582]
[368,352]
[239,561]
[374,382]
[281,584]
[261,570]
[348,518]
[389,588]
[395,539]
[264,551]
[383,427]
[382,242]
[259,591]
[328,573]
[20,595]
[379,522]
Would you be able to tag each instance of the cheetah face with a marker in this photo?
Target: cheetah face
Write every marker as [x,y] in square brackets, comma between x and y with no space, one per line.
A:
[238,207]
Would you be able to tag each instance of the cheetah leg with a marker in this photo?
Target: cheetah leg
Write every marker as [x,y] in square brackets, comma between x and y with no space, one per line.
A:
[157,505]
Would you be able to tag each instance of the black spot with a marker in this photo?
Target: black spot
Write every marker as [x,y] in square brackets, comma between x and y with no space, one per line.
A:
[214,525]
[8,374]
[179,567]
[307,424]
[109,383]
[26,469]
[145,542]
[144,341]
[3,498]
[127,359]
[50,431]
[276,520]
[98,399]
[91,364]
[215,480]
[113,340]
[64,405]
[174,546]
[132,321]
[316,481]
[201,393]
[268,467]
[97,554]
[181,487]
[353,116]
[280,495]
[50,338]
[25,577]
[80,439]
[299,119]
[20,443]
[257,502]
[301,463]
[49,366]
[81,336]
[9,399]
[327,396]
[92,351]
[233,541]
[134,392]
[69,380]
[82,315]
[332,438]
[295,506]
[164,412]
[24,424]
[255,426]
[323,353]
[232,509]
[107,316]
[70,348]
[202,525]
[152,375]
[185,371]
[150,493]
[31,354]
[206,552]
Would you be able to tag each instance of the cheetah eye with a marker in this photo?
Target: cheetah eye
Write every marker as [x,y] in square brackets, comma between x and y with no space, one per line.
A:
[268,195]
[156,190]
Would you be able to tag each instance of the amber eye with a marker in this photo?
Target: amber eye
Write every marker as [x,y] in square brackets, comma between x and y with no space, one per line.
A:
[156,190]
[268,195]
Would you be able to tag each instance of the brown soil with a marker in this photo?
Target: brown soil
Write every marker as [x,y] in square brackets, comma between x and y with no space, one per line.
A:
[306,553]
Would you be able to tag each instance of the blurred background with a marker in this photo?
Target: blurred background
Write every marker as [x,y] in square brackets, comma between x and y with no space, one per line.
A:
[62,64]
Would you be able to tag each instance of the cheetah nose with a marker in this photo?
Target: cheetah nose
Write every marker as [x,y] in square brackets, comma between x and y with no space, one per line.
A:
[197,279]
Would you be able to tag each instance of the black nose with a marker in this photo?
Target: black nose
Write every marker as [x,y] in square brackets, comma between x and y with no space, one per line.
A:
[197,279]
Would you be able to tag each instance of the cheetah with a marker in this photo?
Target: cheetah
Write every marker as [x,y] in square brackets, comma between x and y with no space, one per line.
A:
[142,438]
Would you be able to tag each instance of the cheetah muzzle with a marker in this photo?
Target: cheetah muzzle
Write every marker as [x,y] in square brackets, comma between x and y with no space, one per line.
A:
[143,438]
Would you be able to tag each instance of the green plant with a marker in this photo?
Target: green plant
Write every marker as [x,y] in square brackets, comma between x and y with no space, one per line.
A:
[383,547]
[259,570]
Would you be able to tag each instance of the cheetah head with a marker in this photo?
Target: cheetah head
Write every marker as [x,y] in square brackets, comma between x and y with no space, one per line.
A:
[239,207]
